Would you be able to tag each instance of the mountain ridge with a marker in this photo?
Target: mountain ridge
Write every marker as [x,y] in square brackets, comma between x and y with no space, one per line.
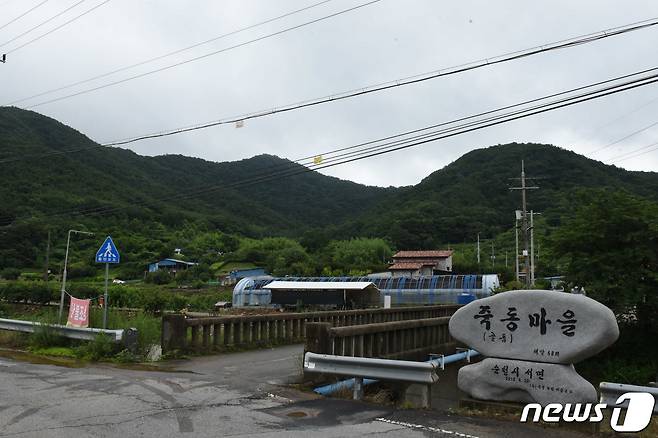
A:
[118,190]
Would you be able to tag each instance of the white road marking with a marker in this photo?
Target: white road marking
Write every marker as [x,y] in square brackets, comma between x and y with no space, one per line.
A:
[428,428]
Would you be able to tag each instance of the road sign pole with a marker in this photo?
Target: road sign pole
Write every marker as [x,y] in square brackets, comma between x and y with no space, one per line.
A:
[107,254]
[105,302]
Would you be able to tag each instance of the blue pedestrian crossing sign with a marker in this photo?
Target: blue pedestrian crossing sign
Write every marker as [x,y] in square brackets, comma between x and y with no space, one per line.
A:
[107,253]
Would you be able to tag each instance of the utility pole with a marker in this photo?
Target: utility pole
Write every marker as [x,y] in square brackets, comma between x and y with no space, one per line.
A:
[524,223]
[66,260]
[47,264]
[532,249]
[493,258]
[516,253]
[506,259]
[478,251]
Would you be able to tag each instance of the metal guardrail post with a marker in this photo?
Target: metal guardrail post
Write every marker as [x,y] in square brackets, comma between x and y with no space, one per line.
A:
[358,388]
[610,392]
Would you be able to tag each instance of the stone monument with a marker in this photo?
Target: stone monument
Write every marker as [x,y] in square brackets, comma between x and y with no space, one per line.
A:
[532,338]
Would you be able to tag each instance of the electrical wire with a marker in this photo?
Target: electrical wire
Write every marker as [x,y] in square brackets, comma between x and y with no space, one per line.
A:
[301,160]
[396,83]
[403,144]
[625,137]
[632,154]
[207,55]
[22,15]
[369,89]
[41,24]
[175,52]
[56,28]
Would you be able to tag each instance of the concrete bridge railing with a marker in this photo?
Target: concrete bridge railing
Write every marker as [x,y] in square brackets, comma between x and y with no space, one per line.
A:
[410,340]
[206,334]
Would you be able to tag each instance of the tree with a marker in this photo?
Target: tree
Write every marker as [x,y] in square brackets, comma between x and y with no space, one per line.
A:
[280,255]
[359,255]
[10,273]
[610,247]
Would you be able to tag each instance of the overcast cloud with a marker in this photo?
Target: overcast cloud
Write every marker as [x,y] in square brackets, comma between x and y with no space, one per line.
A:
[384,41]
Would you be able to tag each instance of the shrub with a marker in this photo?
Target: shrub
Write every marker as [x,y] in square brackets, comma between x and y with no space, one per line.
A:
[158,277]
[27,291]
[44,337]
[153,302]
[101,347]
[10,273]
[39,293]
[81,270]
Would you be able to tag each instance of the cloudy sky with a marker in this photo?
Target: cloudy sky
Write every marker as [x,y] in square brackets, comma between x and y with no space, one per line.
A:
[380,42]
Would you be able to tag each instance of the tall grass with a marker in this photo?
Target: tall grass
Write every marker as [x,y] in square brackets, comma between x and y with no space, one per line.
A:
[148,328]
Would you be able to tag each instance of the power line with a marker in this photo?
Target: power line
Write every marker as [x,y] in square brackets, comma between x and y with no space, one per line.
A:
[645,128]
[624,115]
[41,24]
[632,154]
[403,144]
[175,52]
[207,55]
[368,89]
[414,131]
[56,28]
[397,82]
[22,15]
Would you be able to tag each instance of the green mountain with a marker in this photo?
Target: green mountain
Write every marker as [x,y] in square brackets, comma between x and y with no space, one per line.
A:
[171,186]
[54,178]
[472,195]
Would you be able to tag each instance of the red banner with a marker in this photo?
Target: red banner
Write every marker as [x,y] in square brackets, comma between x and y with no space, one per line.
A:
[78,313]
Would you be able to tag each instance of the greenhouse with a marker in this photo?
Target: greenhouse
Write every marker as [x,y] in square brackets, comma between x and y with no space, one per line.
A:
[435,289]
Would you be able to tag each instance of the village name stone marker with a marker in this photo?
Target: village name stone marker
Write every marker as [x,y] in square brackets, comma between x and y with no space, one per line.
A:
[535,336]
[528,382]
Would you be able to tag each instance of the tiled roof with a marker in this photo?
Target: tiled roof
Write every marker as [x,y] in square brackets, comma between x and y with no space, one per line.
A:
[407,266]
[425,254]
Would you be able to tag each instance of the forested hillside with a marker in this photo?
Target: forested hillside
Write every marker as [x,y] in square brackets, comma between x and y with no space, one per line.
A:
[472,195]
[54,179]
[60,182]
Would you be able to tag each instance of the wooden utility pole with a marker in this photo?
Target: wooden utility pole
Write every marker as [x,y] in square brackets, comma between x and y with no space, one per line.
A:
[46,268]
[478,250]
[524,224]
[516,253]
[532,249]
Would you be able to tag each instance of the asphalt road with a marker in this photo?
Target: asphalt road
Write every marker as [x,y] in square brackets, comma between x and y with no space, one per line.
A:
[236,395]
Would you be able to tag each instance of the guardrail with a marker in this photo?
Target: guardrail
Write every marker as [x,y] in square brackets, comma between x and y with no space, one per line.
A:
[412,339]
[380,369]
[439,362]
[610,392]
[214,333]
[127,336]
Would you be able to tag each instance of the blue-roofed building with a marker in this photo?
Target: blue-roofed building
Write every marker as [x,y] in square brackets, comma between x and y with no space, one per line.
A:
[170,265]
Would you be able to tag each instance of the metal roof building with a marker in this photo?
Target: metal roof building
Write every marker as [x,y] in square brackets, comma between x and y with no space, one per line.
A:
[325,293]
[436,289]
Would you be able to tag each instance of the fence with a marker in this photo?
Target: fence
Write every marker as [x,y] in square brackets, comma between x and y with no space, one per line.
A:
[413,339]
[128,336]
[214,333]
